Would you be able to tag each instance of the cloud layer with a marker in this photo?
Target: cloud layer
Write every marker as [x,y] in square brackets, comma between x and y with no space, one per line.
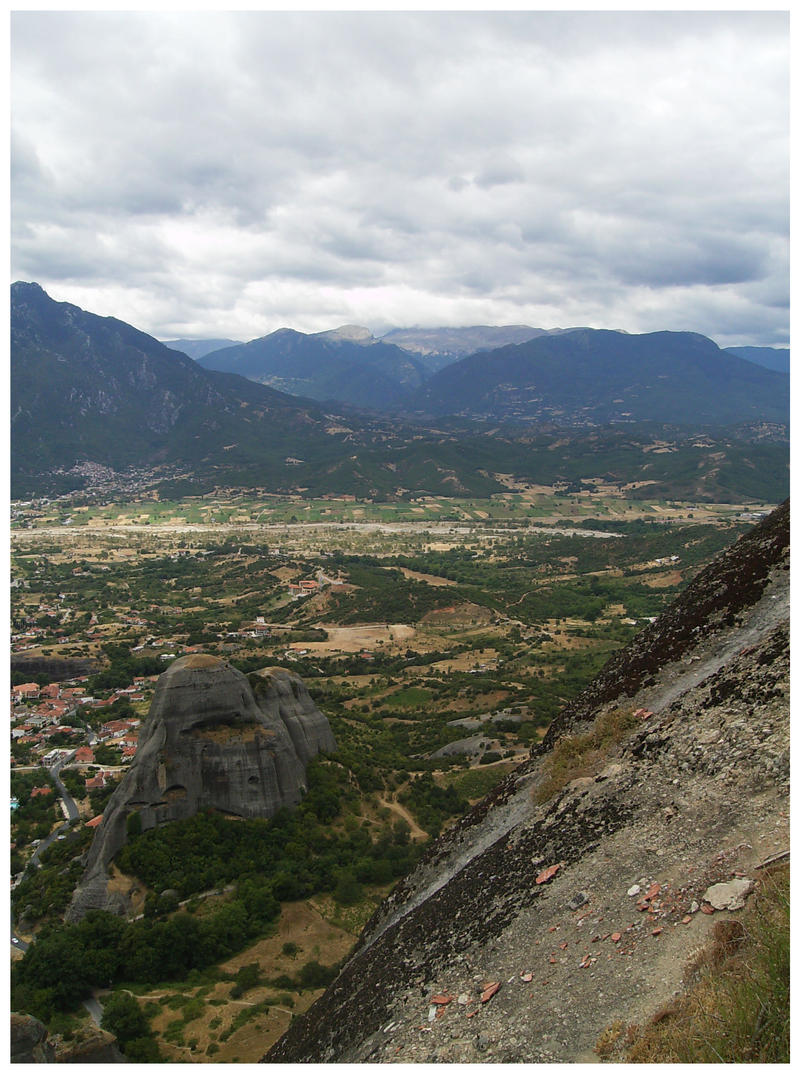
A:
[228,174]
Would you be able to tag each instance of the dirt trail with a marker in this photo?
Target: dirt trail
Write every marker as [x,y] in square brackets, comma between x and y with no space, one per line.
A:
[401,811]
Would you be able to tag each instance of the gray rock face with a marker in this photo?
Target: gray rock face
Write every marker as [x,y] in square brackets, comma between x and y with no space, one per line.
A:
[210,742]
[29,1043]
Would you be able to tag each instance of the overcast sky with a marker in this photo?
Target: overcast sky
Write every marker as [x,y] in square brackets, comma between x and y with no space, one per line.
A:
[230,174]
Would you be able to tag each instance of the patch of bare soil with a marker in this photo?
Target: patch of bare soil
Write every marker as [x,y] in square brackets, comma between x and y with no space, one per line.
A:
[352,639]
[431,579]
[128,886]
[401,811]
[465,614]
[659,581]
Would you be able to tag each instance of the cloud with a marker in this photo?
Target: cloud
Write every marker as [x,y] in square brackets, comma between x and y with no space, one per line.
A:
[225,174]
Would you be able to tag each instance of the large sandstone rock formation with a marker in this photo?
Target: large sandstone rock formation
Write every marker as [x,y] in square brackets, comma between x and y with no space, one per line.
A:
[211,741]
[554,910]
[30,1043]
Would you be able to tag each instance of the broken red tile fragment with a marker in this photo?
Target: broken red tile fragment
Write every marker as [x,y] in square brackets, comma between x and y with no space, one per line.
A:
[471,1014]
[547,874]
[707,908]
[526,977]
[563,946]
[657,931]
[442,999]
[588,960]
[552,959]
[687,920]
[616,937]
[652,891]
[490,990]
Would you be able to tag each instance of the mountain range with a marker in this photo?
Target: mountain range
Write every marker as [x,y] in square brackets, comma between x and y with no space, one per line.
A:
[92,392]
[325,366]
[598,376]
[574,376]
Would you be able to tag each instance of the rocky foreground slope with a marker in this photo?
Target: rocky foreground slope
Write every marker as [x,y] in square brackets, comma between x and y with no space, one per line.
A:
[211,741]
[573,896]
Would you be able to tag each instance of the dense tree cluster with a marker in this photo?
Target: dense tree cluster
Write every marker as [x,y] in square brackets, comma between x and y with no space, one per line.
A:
[46,891]
[431,803]
[294,854]
[35,814]
[291,856]
[123,669]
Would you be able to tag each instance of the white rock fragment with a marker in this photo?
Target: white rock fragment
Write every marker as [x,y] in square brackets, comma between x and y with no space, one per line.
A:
[730,895]
[634,890]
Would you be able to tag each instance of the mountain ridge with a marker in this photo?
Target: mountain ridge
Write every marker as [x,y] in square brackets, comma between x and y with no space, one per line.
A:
[599,376]
[323,366]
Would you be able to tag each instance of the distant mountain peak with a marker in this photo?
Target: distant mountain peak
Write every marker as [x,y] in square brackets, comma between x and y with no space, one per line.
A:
[353,333]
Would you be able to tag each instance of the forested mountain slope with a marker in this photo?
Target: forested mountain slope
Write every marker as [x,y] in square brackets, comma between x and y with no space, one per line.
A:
[597,376]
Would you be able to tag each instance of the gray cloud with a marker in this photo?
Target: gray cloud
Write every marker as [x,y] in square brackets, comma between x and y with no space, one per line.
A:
[226,174]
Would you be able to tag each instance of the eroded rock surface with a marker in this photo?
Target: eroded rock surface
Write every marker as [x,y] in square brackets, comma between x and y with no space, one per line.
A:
[28,1040]
[211,741]
[30,1043]
[585,906]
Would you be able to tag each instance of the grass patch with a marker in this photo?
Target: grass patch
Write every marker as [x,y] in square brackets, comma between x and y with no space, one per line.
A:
[412,697]
[243,1016]
[575,756]
[737,1007]
[476,782]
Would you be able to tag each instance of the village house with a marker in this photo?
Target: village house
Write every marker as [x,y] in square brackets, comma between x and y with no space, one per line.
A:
[116,728]
[56,709]
[84,755]
[258,629]
[37,720]
[75,693]
[41,792]
[98,781]
[55,729]
[26,690]
[56,754]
